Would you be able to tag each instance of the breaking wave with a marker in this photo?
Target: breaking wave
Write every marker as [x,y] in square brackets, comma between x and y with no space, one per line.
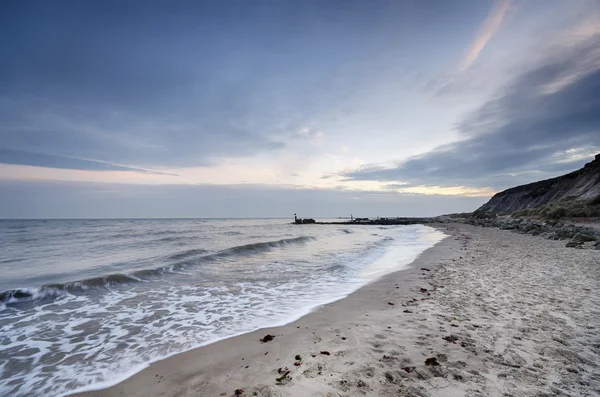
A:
[183,260]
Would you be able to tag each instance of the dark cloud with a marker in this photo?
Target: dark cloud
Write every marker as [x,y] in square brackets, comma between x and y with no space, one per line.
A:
[523,129]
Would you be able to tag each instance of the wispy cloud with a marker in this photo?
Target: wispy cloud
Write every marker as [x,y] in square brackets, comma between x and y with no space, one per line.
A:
[489,28]
[523,127]
[57,161]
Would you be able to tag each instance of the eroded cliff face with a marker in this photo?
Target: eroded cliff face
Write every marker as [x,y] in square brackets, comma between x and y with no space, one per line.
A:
[583,184]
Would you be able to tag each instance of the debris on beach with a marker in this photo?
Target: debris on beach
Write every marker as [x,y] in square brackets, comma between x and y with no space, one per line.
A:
[431,361]
[267,338]
[238,392]
[424,268]
[423,290]
[408,369]
[391,303]
[283,377]
[450,338]
[325,352]
[298,359]
[407,311]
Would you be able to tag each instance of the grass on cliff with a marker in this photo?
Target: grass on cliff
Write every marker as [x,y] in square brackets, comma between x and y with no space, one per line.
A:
[564,209]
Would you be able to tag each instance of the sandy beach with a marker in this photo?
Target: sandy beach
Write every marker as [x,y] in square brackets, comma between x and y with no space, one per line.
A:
[494,313]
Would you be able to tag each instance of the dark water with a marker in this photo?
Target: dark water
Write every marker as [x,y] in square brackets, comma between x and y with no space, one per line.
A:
[87,303]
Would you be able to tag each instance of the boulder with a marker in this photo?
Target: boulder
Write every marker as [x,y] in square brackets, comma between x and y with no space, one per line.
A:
[583,238]
[573,244]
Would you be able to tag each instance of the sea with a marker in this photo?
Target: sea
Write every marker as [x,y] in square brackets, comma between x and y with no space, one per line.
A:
[84,304]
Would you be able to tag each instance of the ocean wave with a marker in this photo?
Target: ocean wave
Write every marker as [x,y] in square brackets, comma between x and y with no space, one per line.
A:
[232,233]
[265,246]
[53,291]
[12,260]
[187,254]
[29,294]
[169,239]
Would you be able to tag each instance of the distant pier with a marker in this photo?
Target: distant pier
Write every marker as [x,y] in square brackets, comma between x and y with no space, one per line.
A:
[366,221]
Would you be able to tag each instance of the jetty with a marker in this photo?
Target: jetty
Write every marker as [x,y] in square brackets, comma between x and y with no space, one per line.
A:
[366,221]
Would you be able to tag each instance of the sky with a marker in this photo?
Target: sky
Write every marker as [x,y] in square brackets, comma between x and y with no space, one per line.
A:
[121,109]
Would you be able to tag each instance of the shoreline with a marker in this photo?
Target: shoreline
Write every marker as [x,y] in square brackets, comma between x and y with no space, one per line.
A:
[496,313]
[212,348]
[101,386]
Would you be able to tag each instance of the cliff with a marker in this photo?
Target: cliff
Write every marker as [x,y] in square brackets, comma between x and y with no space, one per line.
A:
[580,185]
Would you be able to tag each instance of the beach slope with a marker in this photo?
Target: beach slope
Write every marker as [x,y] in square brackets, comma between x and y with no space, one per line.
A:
[485,312]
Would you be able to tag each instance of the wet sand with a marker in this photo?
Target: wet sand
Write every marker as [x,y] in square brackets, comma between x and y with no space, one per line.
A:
[496,313]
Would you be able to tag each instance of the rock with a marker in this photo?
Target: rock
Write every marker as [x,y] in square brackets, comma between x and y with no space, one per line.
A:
[267,338]
[431,361]
[298,357]
[572,244]
[282,377]
[325,352]
[423,290]
[409,369]
[238,392]
[583,238]
[424,268]
[450,338]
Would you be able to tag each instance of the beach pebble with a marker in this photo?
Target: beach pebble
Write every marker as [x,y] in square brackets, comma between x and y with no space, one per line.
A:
[267,338]
[432,361]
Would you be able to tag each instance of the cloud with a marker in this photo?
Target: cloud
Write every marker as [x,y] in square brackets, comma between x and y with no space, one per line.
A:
[87,200]
[312,135]
[160,86]
[524,127]
[488,29]
[20,157]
